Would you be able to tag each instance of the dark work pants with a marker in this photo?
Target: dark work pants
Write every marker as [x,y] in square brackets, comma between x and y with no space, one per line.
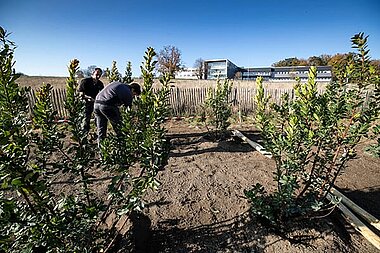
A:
[88,111]
[103,114]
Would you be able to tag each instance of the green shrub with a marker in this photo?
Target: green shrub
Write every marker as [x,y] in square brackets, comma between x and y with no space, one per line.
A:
[142,139]
[218,109]
[36,215]
[128,73]
[115,75]
[312,138]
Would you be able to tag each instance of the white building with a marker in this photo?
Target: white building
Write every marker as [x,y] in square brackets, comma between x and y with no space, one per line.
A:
[187,73]
[224,68]
[220,69]
[281,74]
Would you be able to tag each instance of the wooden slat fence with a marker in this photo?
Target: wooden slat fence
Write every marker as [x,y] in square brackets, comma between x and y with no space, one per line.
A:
[186,101]
[58,97]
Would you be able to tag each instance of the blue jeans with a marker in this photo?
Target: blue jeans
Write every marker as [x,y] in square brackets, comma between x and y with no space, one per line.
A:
[103,114]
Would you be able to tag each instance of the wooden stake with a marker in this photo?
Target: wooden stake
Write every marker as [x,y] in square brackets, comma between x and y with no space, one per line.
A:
[357,209]
[358,224]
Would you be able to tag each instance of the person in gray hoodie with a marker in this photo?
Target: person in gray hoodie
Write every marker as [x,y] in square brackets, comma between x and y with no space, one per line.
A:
[107,103]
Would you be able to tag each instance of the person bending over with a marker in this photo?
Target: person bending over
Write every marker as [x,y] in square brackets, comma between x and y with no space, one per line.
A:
[107,104]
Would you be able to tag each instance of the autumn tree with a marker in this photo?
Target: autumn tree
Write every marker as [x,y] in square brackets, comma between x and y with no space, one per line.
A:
[294,61]
[337,59]
[169,60]
[337,62]
[325,59]
[376,65]
[199,65]
[322,60]
[315,61]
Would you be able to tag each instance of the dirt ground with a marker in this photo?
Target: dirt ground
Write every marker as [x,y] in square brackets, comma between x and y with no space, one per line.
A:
[200,206]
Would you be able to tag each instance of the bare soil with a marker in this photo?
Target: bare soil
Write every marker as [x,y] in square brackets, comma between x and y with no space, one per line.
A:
[200,206]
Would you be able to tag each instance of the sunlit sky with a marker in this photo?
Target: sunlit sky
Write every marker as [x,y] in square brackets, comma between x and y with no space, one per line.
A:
[250,33]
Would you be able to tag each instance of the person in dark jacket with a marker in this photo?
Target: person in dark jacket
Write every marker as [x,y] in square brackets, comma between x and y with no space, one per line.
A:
[89,88]
[107,104]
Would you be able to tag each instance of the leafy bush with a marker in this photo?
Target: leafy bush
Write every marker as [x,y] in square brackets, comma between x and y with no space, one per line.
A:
[313,136]
[141,139]
[128,73]
[218,109]
[115,75]
[374,149]
[36,215]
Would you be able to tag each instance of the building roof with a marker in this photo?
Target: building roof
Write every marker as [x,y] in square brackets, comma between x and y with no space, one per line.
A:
[212,60]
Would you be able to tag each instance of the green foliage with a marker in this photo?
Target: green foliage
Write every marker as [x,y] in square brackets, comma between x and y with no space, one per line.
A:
[374,149]
[128,73]
[363,75]
[142,141]
[79,157]
[312,138]
[34,216]
[47,136]
[15,173]
[114,74]
[218,108]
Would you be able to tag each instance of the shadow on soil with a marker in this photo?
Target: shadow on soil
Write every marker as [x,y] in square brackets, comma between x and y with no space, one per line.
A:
[239,234]
[189,143]
[242,233]
[234,234]
[367,198]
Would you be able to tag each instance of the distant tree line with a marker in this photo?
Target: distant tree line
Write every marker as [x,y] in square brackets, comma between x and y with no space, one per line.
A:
[322,60]
[87,72]
[335,61]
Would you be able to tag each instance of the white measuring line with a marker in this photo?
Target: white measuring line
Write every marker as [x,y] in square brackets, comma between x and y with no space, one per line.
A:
[255,145]
[350,216]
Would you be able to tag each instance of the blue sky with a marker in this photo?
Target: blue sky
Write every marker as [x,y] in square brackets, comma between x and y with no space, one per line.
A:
[248,32]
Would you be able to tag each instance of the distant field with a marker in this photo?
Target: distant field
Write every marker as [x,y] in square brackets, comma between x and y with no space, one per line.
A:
[37,81]
[60,82]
